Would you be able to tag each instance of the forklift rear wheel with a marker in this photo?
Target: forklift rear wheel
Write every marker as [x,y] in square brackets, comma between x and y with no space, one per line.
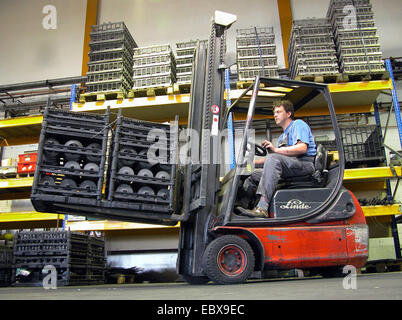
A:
[228,259]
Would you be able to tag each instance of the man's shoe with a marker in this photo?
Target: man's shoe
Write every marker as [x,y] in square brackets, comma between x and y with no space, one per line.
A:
[255,213]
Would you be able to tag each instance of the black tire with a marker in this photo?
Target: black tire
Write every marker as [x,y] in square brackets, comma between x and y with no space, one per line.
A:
[228,259]
[73,144]
[94,147]
[68,183]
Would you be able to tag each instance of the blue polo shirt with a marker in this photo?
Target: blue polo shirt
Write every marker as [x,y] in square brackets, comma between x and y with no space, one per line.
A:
[298,130]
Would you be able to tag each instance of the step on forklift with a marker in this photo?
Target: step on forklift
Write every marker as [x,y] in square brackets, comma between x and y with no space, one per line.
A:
[315,224]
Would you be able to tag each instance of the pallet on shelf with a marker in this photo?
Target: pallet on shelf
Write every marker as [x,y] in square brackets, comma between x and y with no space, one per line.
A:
[323,78]
[151,91]
[102,96]
[369,76]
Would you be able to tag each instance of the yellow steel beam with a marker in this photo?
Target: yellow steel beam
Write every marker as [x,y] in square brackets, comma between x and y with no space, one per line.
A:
[286,21]
[379,173]
[159,108]
[16,183]
[28,216]
[98,225]
[90,20]
[21,121]
[375,211]
[357,185]
[17,131]
[321,111]
[377,85]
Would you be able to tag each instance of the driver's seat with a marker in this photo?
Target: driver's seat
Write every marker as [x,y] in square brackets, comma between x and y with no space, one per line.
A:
[317,180]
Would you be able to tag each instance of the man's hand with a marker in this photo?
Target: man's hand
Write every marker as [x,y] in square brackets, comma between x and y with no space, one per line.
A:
[268,145]
[298,149]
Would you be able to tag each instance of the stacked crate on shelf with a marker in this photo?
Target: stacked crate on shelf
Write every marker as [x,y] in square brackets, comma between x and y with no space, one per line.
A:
[311,49]
[6,264]
[154,66]
[65,253]
[110,66]
[71,158]
[356,37]
[143,174]
[184,60]
[256,51]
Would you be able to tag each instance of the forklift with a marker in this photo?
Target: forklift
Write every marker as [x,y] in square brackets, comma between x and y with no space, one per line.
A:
[315,224]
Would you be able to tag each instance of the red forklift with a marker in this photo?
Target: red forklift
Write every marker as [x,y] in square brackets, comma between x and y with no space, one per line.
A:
[315,224]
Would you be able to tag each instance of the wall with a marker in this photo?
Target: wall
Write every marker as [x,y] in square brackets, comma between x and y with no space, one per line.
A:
[29,52]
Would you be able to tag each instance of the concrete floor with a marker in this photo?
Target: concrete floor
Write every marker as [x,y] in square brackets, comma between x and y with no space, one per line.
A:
[376,286]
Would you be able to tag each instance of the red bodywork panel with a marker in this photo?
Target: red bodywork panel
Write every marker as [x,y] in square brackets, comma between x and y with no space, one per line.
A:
[304,245]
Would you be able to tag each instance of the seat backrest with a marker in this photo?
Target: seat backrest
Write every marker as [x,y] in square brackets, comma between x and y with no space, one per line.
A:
[321,158]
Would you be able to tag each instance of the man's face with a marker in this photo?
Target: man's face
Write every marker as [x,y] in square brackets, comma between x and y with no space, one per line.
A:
[280,115]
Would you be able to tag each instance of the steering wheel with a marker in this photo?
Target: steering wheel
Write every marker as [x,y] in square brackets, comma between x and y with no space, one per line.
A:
[259,150]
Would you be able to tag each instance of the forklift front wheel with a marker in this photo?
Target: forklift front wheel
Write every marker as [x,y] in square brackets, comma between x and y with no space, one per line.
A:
[228,259]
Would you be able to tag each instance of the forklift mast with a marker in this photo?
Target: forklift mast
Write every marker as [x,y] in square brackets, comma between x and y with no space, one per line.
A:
[205,121]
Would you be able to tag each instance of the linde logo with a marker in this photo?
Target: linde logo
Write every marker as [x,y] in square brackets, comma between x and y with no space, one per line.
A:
[295,204]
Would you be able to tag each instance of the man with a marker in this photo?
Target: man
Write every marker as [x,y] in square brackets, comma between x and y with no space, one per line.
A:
[293,156]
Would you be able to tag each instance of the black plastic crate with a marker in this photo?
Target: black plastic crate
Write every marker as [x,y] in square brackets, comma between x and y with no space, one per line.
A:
[6,257]
[56,261]
[34,276]
[50,237]
[146,185]
[5,276]
[363,145]
[74,255]
[31,246]
[330,145]
[71,157]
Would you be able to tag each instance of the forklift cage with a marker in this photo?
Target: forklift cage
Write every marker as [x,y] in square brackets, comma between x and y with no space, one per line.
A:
[299,93]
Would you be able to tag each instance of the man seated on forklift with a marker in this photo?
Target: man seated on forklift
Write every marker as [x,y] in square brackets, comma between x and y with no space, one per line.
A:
[293,156]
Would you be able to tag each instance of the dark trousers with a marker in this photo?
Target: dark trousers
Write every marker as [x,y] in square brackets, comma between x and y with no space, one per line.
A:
[276,166]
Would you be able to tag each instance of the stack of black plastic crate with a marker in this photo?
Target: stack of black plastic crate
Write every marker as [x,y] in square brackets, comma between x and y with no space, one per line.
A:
[68,256]
[184,60]
[356,37]
[154,66]
[6,263]
[97,260]
[311,49]
[110,66]
[143,174]
[71,159]
[256,51]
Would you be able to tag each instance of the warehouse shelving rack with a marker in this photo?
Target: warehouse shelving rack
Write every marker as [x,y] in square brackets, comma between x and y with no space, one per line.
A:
[352,97]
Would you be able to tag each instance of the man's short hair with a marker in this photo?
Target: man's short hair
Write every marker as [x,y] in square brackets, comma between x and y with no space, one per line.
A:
[287,105]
